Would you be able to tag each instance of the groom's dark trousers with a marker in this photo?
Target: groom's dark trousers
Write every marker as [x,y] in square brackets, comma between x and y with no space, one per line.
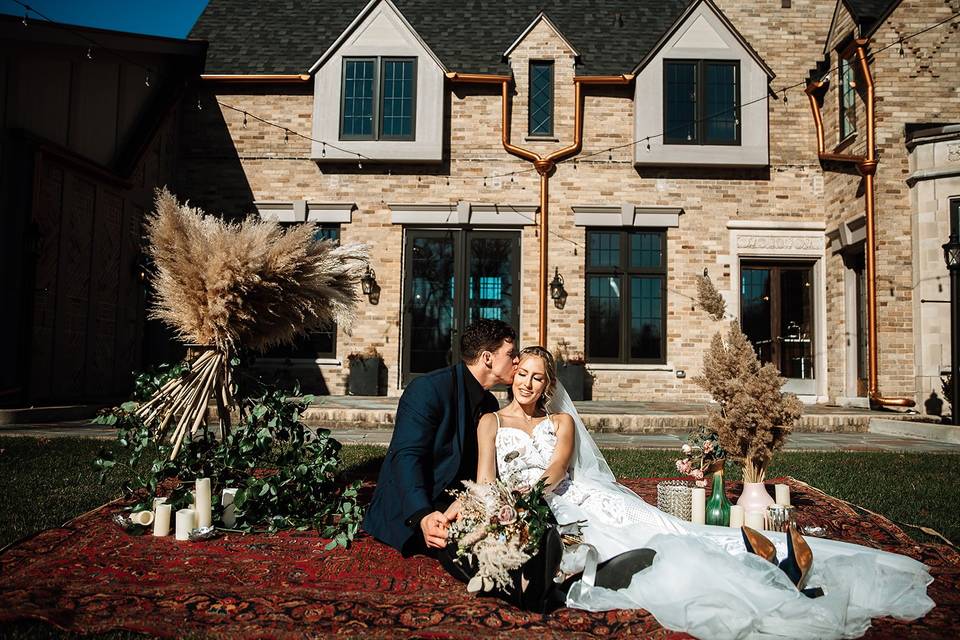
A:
[434,448]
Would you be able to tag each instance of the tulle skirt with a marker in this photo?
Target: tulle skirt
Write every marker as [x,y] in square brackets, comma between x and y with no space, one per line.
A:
[703,582]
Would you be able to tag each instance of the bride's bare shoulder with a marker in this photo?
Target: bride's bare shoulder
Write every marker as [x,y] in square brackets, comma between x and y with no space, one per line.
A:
[562,419]
[488,423]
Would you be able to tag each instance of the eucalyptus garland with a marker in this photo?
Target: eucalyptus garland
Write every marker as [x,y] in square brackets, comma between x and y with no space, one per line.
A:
[286,475]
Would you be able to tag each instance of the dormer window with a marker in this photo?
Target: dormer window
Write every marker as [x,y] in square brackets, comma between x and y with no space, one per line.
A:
[848,95]
[701,102]
[541,98]
[378,99]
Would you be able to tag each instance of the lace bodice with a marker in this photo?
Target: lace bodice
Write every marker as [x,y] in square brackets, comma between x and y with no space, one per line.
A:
[524,457]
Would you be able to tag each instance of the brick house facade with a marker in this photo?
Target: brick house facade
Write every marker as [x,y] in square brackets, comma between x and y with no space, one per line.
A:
[634,217]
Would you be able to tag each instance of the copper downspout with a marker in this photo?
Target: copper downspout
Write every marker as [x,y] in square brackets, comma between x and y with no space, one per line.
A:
[867,166]
[545,165]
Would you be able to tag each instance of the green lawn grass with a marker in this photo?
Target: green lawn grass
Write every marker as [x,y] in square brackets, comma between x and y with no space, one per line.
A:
[45,482]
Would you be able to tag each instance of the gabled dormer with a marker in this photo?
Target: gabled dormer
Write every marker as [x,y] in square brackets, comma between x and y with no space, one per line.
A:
[701,96]
[378,92]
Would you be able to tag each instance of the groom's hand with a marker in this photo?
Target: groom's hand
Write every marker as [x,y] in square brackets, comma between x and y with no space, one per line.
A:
[434,528]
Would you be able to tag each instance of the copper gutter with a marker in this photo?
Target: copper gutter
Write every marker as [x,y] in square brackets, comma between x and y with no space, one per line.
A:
[262,78]
[545,165]
[867,166]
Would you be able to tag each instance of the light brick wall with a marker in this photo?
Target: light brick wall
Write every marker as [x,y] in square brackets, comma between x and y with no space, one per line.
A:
[226,166]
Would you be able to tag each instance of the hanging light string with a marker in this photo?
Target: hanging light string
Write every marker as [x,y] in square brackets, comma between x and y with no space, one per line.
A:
[151,74]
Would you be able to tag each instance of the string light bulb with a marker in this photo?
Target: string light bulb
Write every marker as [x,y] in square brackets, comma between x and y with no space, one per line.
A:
[24,21]
[89,53]
[323,149]
[286,135]
[146,79]
[244,119]
[199,106]
[359,163]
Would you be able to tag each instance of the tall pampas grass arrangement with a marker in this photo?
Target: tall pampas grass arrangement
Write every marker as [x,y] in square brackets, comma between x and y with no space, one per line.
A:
[232,286]
[753,417]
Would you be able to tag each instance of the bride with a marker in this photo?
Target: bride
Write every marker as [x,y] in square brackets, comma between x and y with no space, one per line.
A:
[702,580]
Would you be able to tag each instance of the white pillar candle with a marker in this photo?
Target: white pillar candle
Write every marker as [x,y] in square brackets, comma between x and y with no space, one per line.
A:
[161,520]
[736,516]
[142,518]
[229,509]
[204,511]
[754,520]
[158,501]
[698,505]
[783,494]
[185,522]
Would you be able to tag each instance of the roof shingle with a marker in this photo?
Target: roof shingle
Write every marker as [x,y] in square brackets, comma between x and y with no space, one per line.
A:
[469,36]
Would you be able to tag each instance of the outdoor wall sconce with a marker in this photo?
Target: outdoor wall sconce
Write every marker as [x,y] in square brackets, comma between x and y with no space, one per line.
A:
[369,286]
[557,292]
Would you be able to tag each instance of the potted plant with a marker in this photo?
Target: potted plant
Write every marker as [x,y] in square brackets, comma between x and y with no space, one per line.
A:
[571,369]
[753,417]
[364,378]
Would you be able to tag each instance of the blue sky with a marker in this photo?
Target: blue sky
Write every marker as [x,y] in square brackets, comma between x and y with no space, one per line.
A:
[171,18]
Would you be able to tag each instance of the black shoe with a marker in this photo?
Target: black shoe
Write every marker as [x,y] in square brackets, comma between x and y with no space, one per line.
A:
[616,572]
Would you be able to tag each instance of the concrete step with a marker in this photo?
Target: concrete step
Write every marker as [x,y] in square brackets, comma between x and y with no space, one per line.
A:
[934,431]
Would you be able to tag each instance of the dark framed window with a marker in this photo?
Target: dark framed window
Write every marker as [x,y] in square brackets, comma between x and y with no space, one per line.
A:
[701,102]
[317,344]
[626,280]
[378,99]
[848,98]
[541,98]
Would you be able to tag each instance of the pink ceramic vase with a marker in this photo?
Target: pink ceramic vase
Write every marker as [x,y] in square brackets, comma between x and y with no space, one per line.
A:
[755,497]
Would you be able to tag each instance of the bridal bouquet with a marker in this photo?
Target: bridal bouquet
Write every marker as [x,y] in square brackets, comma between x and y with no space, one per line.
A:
[500,527]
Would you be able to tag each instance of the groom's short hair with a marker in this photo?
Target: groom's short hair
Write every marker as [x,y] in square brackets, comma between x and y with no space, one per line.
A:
[484,335]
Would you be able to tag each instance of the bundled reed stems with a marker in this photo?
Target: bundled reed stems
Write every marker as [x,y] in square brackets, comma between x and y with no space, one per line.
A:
[232,287]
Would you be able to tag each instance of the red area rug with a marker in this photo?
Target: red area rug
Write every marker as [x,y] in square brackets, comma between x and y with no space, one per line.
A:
[89,576]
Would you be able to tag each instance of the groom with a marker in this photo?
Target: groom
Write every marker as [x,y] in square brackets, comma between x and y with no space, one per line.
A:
[434,444]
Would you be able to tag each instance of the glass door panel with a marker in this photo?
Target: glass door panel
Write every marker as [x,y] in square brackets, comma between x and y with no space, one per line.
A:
[776,308]
[430,301]
[452,279]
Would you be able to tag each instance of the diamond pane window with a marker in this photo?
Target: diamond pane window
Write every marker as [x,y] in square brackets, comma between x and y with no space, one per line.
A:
[720,80]
[626,314]
[358,98]
[701,102]
[681,102]
[848,94]
[397,111]
[541,98]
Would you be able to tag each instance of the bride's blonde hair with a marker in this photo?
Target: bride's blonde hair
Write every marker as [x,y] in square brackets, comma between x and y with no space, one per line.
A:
[550,372]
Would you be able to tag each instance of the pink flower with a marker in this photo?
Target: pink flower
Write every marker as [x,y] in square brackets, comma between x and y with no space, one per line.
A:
[686,449]
[701,483]
[696,473]
[506,515]
[684,466]
[708,446]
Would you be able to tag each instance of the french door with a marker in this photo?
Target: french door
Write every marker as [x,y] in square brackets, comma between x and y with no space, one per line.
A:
[776,310]
[452,278]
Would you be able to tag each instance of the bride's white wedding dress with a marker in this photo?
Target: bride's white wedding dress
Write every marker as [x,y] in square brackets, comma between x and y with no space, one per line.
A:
[702,580]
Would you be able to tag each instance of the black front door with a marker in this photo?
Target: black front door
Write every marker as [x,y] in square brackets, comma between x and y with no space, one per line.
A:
[453,278]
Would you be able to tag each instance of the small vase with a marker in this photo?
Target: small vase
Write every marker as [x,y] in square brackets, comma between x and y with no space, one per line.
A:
[754,497]
[718,507]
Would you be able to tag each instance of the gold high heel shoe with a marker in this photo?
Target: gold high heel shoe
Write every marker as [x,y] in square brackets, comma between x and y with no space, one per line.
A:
[757,543]
[799,558]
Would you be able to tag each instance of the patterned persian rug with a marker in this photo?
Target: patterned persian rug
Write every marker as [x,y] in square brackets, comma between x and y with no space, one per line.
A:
[89,576]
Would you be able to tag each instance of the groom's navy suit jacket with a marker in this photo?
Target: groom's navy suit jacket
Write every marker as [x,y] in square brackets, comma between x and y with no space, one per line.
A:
[425,456]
